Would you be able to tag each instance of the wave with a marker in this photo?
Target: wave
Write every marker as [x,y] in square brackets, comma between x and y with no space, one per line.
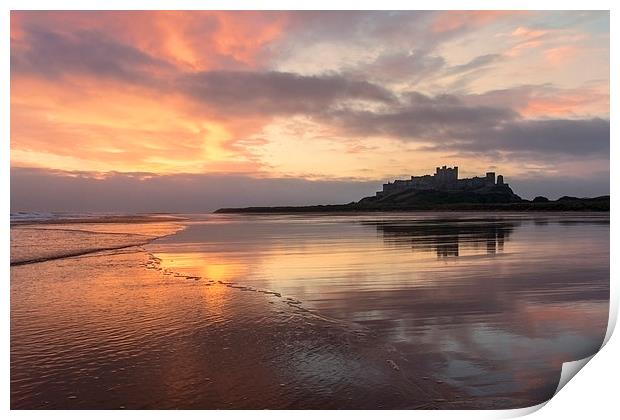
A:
[71,254]
[36,218]
[34,244]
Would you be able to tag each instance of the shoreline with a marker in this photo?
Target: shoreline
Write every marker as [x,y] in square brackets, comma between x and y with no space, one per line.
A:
[99,219]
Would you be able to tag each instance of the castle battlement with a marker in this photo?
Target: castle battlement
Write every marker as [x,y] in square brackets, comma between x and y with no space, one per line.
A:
[444,179]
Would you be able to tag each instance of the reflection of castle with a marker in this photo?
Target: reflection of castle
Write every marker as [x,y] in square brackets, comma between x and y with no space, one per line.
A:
[444,179]
[447,238]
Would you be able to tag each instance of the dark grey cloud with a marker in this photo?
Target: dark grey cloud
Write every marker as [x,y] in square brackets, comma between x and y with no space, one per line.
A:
[53,54]
[420,66]
[452,124]
[421,118]
[278,92]
[513,97]
[574,137]
[48,190]
[360,26]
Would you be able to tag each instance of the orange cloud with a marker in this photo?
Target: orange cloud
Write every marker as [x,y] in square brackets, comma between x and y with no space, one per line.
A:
[527,38]
[559,55]
[206,39]
[198,40]
[113,126]
[529,33]
[86,120]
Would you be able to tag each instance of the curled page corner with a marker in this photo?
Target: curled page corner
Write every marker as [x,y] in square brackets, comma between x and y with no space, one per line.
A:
[515,412]
[613,317]
[570,369]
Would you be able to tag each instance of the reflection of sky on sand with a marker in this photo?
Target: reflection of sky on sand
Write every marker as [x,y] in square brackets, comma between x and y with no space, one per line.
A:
[497,302]
[110,330]
[489,305]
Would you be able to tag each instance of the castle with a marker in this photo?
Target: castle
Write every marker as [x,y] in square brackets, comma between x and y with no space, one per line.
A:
[444,179]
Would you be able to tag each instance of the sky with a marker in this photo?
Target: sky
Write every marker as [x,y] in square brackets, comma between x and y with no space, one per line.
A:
[196,110]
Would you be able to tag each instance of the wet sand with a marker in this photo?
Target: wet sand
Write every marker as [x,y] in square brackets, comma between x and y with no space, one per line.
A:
[115,330]
[302,313]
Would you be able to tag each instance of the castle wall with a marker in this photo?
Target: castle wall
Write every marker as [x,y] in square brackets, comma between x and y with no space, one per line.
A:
[472,183]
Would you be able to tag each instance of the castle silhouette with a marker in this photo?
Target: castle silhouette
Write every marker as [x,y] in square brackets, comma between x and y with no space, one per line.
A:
[444,179]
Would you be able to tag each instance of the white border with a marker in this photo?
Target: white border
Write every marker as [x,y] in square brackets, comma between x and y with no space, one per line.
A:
[591,394]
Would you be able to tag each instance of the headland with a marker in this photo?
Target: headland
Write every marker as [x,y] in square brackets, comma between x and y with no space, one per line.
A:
[444,191]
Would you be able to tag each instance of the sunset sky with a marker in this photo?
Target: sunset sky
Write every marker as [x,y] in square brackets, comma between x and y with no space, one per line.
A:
[190,111]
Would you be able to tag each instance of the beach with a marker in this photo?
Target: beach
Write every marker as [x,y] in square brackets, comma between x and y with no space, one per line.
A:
[323,311]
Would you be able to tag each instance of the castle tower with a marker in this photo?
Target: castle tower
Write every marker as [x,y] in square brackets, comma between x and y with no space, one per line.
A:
[490,178]
[500,179]
[445,177]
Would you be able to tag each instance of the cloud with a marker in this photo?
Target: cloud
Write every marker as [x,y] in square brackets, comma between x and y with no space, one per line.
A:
[421,118]
[419,68]
[361,26]
[559,55]
[589,137]
[398,67]
[454,21]
[196,40]
[450,123]
[474,64]
[540,101]
[46,190]
[277,93]
[52,55]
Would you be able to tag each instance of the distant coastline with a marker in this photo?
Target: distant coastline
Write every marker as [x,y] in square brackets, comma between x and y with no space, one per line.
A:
[563,204]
